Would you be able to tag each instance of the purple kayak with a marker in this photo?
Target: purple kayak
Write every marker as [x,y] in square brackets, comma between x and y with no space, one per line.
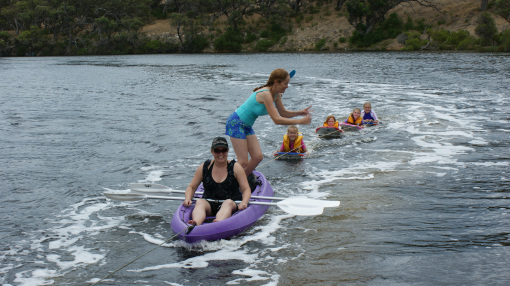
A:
[237,223]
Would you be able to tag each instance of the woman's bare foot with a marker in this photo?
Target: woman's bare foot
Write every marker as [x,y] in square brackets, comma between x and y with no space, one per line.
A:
[192,222]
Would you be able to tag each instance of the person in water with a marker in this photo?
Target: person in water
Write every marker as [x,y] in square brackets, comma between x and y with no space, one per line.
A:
[368,115]
[293,141]
[222,179]
[331,122]
[355,117]
[266,99]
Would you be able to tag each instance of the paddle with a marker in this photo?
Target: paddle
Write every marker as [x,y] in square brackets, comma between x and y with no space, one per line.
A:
[156,189]
[295,206]
[292,73]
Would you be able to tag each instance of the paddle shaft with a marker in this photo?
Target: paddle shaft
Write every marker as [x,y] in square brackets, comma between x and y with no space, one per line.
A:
[155,189]
[132,197]
[145,188]
[295,206]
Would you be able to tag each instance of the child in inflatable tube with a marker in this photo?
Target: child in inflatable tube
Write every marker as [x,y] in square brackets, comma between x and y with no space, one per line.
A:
[293,141]
[355,117]
[331,122]
[368,115]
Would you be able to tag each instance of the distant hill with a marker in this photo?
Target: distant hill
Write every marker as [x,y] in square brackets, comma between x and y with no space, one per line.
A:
[330,25]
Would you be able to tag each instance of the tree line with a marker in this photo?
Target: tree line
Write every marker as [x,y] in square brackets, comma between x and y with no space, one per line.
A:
[84,27]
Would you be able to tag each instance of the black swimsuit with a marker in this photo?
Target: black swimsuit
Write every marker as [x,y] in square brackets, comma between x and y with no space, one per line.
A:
[228,189]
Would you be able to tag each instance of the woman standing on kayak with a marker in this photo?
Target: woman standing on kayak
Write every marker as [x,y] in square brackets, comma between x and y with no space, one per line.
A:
[266,99]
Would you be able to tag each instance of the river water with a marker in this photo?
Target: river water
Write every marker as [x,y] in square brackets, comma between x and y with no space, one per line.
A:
[424,196]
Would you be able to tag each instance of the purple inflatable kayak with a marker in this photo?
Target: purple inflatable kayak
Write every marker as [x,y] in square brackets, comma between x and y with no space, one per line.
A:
[237,223]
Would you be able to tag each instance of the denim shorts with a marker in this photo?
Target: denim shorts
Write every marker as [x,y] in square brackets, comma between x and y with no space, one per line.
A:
[236,128]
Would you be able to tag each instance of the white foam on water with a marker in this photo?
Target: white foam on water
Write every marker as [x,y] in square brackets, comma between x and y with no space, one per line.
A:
[437,152]
[227,253]
[231,249]
[82,256]
[35,277]
[253,275]
[154,176]
[479,142]
[490,164]
[72,227]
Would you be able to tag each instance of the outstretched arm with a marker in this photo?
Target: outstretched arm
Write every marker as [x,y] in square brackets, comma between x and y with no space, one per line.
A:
[285,118]
[289,113]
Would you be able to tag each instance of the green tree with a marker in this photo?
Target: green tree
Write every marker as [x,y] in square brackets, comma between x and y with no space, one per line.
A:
[104,26]
[364,15]
[502,8]
[505,40]
[234,10]
[230,41]
[20,15]
[272,8]
[486,29]
[484,5]
[189,31]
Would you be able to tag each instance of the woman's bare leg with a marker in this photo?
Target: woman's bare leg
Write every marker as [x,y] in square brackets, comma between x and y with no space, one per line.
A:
[227,207]
[243,147]
[256,155]
[202,208]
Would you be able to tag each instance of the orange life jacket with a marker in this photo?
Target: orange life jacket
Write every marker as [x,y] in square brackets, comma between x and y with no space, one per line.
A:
[297,143]
[334,125]
[350,120]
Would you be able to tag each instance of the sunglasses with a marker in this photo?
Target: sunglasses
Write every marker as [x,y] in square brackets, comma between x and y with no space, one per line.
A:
[220,151]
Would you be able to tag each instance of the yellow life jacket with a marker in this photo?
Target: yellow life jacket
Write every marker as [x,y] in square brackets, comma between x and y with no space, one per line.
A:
[350,120]
[297,142]
[334,125]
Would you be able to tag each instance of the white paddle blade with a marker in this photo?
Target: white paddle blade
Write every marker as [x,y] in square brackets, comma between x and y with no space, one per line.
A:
[150,189]
[322,203]
[330,204]
[300,206]
[128,197]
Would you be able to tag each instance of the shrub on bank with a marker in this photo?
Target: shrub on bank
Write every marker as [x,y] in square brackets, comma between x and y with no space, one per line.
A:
[230,41]
[505,41]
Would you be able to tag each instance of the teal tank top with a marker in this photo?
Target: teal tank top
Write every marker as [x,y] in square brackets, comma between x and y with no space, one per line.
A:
[250,110]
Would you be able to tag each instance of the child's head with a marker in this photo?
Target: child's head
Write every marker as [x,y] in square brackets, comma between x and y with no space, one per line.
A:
[367,107]
[356,112]
[292,132]
[330,120]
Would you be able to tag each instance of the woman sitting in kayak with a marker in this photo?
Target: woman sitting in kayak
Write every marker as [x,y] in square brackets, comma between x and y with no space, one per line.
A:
[222,179]
[355,117]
